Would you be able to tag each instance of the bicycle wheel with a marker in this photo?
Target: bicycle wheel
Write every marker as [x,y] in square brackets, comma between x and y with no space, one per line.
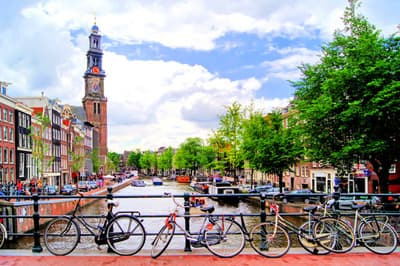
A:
[125,235]
[225,239]
[162,240]
[378,237]
[270,240]
[61,236]
[307,241]
[334,235]
[3,235]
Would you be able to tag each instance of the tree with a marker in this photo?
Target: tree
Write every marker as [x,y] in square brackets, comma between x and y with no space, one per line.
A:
[113,160]
[165,159]
[145,161]
[268,146]
[230,130]
[40,147]
[188,155]
[133,159]
[94,156]
[348,104]
[77,155]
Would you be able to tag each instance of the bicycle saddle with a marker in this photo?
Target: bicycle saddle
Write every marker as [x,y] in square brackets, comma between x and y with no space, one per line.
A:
[208,208]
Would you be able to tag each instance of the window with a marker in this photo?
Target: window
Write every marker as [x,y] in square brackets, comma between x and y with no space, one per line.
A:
[11,135]
[5,155]
[5,133]
[11,117]
[5,115]
[11,156]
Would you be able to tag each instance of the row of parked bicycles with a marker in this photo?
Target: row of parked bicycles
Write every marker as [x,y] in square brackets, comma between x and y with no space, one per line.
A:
[324,231]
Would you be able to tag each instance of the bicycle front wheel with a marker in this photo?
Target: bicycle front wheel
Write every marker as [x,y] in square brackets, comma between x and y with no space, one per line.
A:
[3,235]
[125,235]
[162,240]
[270,240]
[225,239]
[307,241]
[61,236]
[334,235]
[378,237]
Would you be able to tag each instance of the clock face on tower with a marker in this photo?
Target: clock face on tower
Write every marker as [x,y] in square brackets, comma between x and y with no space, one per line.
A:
[95,70]
[94,84]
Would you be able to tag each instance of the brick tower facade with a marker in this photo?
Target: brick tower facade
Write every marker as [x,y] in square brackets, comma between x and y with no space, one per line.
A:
[94,102]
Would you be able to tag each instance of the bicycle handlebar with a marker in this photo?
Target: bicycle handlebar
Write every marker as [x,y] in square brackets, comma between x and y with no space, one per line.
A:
[167,194]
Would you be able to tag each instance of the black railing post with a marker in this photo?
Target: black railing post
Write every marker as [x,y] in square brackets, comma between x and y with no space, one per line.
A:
[36,230]
[186,203]
[109,195]
[263,215]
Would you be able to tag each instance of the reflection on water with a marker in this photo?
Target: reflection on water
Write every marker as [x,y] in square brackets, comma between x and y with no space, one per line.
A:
[151,206]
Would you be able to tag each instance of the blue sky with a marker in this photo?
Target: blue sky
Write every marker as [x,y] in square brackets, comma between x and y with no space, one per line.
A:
[171,66]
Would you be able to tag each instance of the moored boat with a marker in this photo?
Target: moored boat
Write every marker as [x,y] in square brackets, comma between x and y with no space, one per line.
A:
[183,179]
[138,183]
[226,188]
[157,181]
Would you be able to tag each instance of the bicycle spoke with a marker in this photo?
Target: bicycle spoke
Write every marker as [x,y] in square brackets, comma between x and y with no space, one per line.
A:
[61,236]
[270,240]
[225,239]
[125,235]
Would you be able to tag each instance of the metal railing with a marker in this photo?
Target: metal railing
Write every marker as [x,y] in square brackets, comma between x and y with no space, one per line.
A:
[7,214]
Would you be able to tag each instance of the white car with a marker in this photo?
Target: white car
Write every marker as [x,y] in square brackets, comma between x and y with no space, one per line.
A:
[346,201]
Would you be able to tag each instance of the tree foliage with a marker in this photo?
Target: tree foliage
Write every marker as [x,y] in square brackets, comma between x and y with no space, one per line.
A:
[134,158]
[268,145]
[230,130]
[349,103]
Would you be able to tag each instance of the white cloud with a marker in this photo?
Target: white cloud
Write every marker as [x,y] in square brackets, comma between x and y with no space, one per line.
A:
[157,103]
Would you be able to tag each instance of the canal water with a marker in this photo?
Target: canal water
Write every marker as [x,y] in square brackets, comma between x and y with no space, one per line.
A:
[148,206]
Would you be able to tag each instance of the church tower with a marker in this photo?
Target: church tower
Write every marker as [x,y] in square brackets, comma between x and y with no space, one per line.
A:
[94,102]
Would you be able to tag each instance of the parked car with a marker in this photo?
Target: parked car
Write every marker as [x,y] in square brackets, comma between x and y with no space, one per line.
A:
[259,189]
[301,195]
[345,201]
[92,184]
[268,190]
[51,190]
[83,186]
[68,189]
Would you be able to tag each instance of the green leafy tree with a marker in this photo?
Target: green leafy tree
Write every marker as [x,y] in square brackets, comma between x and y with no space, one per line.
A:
[348,104]
[113,161]
[145,161]
[218,146]
[40,148]
[188,155]
[268,146]
[77,157]
[134,158]
[230,129]
[165,159]
[94,156]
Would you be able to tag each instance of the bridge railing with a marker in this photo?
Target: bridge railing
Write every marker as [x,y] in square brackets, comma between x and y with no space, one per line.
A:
[10,216]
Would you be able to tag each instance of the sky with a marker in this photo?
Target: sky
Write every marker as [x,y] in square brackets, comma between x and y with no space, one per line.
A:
[172,66]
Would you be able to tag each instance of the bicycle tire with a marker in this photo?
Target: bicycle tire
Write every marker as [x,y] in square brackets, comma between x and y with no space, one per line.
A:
[268,242]
[125,235]
[378,237]
[61,236]
[162,240]
[334,235]
[308,242]
[3,235]
[225,239]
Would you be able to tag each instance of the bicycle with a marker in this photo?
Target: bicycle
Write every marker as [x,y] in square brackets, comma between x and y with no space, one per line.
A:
[3,233]
[123,232]
[375,235]
[271,238]
[222,237]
